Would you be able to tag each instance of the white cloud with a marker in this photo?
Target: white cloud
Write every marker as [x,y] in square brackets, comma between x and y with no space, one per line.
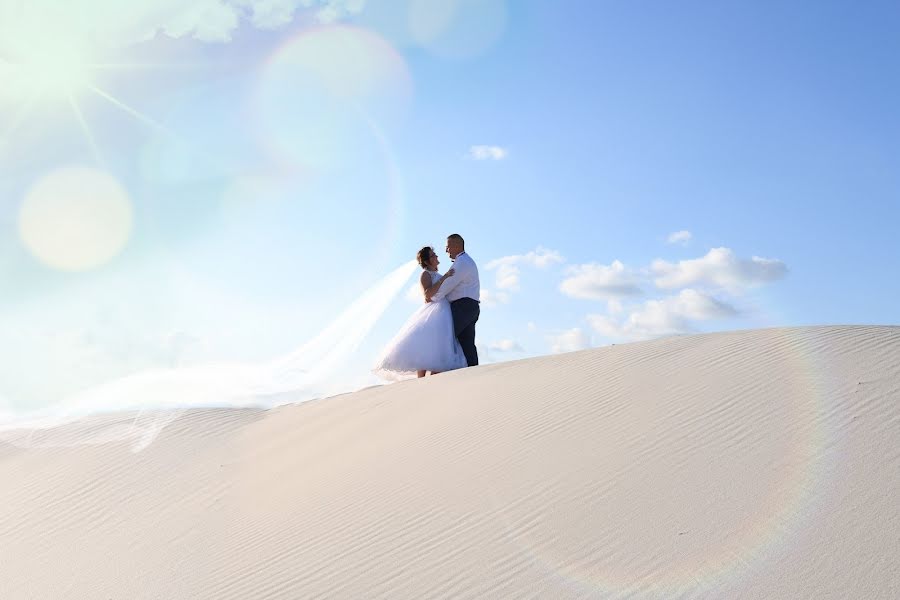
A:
[112,23]
[271,14]
[487,152]
[569,341]
[335,10]
[668,316]
[680,237]
[490,299]
[719,268]
[508,267]
[707,286]
[207,21]
[601,282]
[505,346]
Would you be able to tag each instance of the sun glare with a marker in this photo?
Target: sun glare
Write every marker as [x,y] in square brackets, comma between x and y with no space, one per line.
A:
[46,66]
[42,75]
[50,72]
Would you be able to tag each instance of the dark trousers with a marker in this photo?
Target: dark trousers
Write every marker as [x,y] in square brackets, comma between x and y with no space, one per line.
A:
[465,315]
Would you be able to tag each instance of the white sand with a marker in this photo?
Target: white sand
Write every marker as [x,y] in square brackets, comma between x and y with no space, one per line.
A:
[760,464]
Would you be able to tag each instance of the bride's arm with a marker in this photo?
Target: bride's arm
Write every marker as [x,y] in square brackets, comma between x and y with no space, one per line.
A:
[431,290]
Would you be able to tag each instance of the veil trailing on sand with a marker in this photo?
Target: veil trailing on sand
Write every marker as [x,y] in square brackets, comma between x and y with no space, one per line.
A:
[159,396]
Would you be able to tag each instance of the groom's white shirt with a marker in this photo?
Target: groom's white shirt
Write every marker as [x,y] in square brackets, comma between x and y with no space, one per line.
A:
[463,283]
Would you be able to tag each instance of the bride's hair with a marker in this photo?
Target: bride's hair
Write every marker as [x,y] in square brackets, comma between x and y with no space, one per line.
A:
[424,255]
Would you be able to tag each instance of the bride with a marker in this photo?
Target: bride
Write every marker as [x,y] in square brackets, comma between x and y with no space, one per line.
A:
[427,341]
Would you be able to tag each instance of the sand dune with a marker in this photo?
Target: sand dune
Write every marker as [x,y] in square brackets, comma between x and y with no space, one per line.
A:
[756,464]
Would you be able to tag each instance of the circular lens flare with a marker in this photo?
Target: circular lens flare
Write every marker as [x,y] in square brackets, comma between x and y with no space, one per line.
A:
[75,219]
[319,93]
[755,521]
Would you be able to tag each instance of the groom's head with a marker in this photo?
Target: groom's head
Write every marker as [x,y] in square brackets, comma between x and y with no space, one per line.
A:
[455,245]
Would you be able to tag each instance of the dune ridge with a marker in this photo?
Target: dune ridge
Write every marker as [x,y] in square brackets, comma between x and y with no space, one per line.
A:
[750,464]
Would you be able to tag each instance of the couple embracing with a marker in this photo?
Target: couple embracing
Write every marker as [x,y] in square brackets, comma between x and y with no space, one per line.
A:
[440,336]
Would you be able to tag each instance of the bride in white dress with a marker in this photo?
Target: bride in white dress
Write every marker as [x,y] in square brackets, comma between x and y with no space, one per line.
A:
[427,341]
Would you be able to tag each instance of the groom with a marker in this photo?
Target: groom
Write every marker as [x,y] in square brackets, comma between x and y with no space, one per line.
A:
[463,291]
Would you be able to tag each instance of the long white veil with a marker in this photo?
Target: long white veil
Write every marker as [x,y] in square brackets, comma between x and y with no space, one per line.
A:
[159,396]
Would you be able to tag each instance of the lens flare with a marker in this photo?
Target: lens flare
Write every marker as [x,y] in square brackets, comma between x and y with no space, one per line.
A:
[319,93]
[779,505]
[323,106]
[75,219]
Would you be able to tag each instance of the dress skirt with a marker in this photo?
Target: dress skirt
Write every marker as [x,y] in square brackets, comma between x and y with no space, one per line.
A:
[426,342]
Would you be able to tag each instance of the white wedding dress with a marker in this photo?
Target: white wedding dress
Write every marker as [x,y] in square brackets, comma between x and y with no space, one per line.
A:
[426,342]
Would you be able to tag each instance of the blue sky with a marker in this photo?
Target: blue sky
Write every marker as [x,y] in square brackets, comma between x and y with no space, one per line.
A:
[233,174]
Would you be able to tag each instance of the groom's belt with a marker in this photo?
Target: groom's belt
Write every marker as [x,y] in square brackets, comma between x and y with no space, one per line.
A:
[465,298]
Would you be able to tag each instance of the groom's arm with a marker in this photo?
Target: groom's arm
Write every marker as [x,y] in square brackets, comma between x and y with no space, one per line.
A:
[461,273]
[430,291]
